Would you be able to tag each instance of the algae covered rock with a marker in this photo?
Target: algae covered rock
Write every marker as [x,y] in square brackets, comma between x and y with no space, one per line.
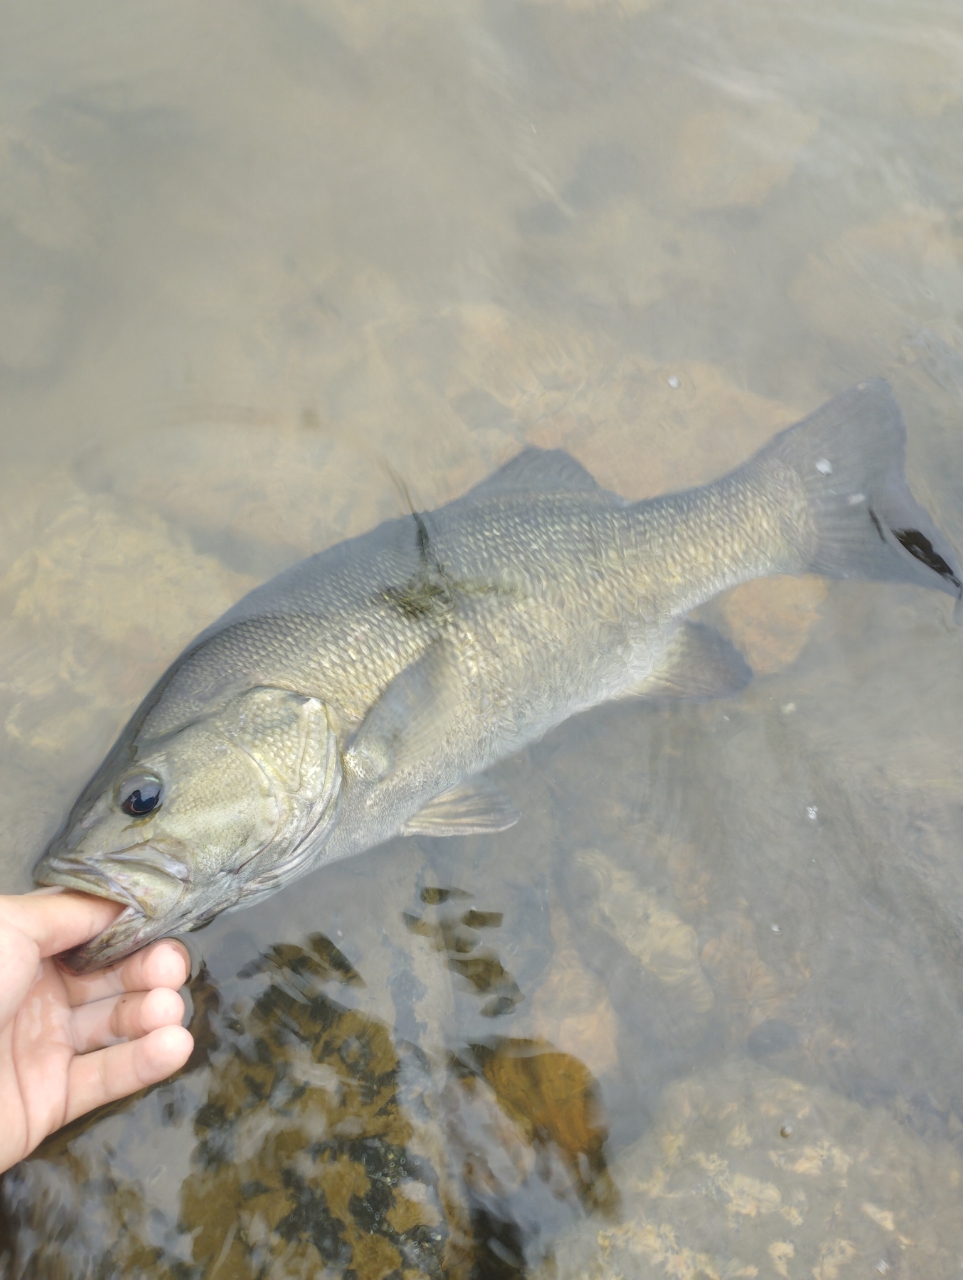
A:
[306,1159]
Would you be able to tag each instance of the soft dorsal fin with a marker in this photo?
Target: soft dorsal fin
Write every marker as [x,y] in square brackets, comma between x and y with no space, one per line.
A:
[542,471]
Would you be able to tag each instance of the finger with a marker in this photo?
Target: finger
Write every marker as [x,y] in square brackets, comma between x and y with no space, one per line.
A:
[19,965]
[126,1017]
[56,922]
[162,964]
[38,1053]
[121,1069]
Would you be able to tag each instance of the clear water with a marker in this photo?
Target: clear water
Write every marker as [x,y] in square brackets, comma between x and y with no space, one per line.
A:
[700,1014]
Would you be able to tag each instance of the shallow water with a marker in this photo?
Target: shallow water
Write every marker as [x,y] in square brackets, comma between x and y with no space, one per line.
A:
[701,1012]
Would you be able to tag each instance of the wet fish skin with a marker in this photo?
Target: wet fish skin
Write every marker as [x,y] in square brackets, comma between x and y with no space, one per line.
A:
[358,695]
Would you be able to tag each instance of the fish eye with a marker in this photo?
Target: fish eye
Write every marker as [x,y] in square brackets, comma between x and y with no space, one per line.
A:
[140,796]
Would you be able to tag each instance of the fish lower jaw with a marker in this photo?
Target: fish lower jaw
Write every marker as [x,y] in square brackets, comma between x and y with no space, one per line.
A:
[107,948]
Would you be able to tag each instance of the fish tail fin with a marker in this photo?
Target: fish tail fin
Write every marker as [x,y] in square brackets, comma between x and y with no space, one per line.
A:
[862,520]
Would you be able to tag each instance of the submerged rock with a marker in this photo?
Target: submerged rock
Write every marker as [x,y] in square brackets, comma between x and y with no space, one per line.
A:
[735,156]
[572,1006]
[748,1173]
[665,946]
[769,620]
[94,607]
[871,278]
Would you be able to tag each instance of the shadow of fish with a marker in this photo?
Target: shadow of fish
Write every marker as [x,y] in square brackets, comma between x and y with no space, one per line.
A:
[361,694]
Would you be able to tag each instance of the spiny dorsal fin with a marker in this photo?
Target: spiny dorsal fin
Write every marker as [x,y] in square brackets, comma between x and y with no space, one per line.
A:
[541,471]
[472,808]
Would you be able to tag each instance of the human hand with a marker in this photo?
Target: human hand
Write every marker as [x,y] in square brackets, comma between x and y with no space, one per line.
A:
[62,1049]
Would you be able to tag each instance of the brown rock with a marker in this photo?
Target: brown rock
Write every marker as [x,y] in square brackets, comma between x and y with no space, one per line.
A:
[571,1007]
[528,1104]
[94,610]
[863,285]
[752,992]
[769,619]
[636,432]
[738,155]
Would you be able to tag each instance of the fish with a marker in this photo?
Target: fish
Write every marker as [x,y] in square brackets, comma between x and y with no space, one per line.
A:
[363,693]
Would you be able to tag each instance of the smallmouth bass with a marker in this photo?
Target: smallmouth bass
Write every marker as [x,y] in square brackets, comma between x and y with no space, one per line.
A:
[362,693]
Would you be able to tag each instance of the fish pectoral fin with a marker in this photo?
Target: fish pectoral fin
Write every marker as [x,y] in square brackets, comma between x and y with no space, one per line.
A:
[407,726]
[472,808]
[698,663]
[409,721]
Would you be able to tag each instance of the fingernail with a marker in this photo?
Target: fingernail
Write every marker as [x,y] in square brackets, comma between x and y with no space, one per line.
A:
[194,954]
[188,1006]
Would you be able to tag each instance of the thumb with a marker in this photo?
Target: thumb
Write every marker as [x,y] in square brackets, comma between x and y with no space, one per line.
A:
[55,921]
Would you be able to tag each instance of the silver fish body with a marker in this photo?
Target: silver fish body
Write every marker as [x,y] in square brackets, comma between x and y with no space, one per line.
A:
[361,694]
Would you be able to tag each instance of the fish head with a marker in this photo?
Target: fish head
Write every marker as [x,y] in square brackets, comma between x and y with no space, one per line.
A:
[182,828]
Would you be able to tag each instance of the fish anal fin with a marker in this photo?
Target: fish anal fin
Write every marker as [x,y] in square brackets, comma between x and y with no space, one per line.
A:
[698,663]
[472,808]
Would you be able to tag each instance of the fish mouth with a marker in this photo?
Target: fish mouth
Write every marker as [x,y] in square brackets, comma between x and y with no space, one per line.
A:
[74,873]
[148,882]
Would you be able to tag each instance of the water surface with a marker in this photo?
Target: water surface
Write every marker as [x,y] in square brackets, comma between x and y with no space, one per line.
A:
[700,1014]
